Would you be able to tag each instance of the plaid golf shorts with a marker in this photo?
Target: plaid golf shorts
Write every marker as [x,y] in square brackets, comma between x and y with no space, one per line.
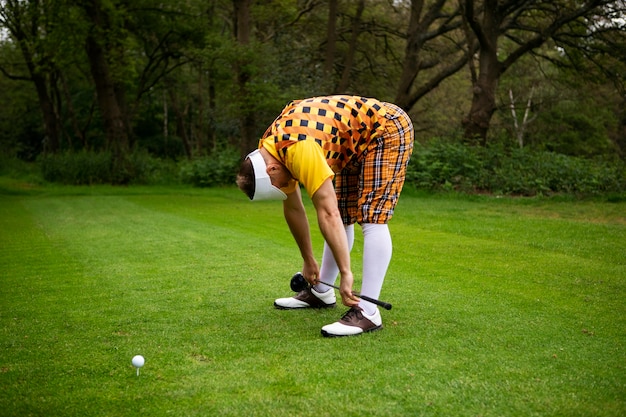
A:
[368,190]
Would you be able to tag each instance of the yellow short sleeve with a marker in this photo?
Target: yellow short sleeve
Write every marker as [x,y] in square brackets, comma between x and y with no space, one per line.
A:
[306,162]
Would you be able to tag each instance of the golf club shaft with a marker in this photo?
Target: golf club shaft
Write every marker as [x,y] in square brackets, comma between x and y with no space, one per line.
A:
[383,304]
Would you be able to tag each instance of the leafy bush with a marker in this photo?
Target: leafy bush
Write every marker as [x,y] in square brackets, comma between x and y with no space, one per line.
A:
[86,168]
[148,169]
[77,168]
[13,167]
[529,173]
[576,128]
[444,165]
[218,168]
[440,165]
[454,166]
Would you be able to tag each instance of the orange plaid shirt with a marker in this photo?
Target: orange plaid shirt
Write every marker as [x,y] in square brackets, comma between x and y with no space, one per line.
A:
[343,127]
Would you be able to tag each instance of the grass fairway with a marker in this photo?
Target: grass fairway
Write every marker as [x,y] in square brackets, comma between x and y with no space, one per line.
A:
[502,307]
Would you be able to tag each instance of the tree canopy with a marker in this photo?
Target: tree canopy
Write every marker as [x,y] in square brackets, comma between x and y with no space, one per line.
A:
[183,78]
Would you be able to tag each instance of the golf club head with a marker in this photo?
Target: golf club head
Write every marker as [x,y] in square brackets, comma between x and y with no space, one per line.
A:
[298,282]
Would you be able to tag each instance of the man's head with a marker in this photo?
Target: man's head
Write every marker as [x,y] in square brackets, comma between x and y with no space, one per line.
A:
[255,178]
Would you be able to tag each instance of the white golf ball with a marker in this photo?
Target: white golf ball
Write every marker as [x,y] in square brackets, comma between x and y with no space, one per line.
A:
[138,361]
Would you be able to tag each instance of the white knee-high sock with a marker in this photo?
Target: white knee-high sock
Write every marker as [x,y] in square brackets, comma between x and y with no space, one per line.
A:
[329,269]
[377,250]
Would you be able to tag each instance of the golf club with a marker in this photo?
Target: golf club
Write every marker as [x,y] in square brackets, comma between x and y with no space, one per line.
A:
[299,283]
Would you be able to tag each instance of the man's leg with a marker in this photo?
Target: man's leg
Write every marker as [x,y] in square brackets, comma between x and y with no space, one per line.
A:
[382,179]
[329,269]
[380,182]
[377,248]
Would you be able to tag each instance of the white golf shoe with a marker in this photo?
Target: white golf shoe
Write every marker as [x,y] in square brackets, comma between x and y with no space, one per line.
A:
[353,322]
[307,298]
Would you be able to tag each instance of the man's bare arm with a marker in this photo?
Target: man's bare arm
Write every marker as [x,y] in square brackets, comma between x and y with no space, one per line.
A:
[298,223]
[332,228]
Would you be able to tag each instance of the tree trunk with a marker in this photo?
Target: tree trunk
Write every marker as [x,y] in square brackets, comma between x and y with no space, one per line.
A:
[114,129]
[200,134]
[180,116]
[108,93]
[50,120]
[72,113]
[520,128]
[410,66]
[24,26]
[620,140]
[212,135]
[426,24]
[247,120]
[344,83]
[331,38]
[166,120]
[477,122]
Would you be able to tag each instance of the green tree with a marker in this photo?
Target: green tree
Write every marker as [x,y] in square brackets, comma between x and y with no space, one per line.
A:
[528,24]
[596,58]
[183,78]
[561,113]
[434,49]
[25,22]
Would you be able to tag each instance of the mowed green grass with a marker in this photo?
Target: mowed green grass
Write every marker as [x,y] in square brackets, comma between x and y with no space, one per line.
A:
[501,307]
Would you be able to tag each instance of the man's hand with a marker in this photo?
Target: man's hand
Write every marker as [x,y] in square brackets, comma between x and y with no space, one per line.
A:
[311,272]
[345,289]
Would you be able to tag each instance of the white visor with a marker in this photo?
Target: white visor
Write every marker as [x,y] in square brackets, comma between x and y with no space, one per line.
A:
[263,188]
